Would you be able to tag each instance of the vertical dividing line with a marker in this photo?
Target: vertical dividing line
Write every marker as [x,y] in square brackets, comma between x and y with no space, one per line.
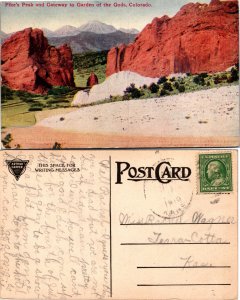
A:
[110,221]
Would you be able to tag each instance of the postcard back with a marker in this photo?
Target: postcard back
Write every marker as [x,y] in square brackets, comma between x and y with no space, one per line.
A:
[119,224]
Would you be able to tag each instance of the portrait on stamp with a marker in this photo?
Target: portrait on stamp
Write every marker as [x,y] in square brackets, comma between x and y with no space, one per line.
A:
[215,172]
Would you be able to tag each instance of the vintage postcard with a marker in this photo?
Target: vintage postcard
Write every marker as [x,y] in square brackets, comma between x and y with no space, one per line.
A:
[138,224]
[119,74]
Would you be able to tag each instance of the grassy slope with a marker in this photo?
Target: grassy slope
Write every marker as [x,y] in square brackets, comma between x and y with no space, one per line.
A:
[15,113]
[18,108]
[89,62]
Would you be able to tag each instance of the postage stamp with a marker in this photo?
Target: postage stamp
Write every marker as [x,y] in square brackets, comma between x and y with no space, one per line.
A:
[215,172]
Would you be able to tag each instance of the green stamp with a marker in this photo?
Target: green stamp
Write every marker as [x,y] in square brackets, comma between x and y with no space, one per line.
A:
[215,173]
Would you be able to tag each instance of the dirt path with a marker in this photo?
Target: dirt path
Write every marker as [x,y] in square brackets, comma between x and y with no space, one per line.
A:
[44,138]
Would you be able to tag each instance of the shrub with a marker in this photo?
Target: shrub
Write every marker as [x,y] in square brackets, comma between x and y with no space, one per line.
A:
[181,88]
[196,79]
[25,96]
[172,79]
[229,80]
[136,94]
[154,88]
[129,89]
[176,85]
[6,93]
[180,80]
[144,86]
[57,146]
[37,104]
[59,90]
[164,92]
[162,80]
[7,140]
[133,91]
[234,74]
[27,100]
[35,109]
[19,93]
[168,86]
[199,79]
[224,77]
[217,80]
[126,97]
[203,75]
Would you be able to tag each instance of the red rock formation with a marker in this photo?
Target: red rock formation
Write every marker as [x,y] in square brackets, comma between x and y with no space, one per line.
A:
[29,63]
[199,38]
[92,80]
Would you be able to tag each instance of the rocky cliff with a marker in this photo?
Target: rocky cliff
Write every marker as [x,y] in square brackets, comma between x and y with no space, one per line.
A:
[29,63]
[199,38]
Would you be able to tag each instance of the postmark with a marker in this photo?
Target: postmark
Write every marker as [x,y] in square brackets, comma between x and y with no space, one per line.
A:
[215,173]
[168,201]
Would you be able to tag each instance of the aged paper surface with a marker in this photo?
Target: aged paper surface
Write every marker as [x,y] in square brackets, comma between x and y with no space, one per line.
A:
[124,74]
[120,224]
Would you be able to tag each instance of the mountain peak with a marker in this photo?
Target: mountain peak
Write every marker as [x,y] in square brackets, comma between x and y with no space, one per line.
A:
[97,27]
[93,26]
[129,30]
[69,27]
[94,22]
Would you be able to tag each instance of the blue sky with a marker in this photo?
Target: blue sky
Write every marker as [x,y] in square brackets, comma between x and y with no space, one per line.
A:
[18,18]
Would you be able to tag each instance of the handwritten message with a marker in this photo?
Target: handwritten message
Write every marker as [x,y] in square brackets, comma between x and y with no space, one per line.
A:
[55,229]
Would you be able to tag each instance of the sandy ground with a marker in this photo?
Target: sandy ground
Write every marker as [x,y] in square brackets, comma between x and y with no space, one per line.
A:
[40,115]
[44,138]
[199,119]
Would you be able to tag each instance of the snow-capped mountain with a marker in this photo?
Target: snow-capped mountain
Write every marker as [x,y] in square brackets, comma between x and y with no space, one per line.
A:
[130,30]
[66,30]
[90,41]
[92,26]
[97,27]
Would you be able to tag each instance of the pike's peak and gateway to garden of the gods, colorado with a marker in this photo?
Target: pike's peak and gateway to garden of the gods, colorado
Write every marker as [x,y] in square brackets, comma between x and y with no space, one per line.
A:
[174,83]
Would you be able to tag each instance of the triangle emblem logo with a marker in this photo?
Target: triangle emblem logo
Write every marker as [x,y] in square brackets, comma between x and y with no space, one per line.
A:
[17,167]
